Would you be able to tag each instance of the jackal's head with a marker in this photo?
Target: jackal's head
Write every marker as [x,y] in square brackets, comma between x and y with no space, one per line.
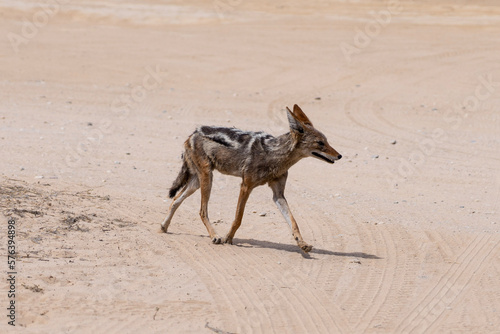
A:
[307,140]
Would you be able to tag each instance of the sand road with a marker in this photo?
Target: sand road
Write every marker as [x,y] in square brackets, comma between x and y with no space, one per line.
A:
[97,97]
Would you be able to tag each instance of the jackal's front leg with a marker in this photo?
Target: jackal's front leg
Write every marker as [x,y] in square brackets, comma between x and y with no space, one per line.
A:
[278,187]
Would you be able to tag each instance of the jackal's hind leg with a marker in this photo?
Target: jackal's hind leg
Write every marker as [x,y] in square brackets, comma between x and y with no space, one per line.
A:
[206,187]
[278,187]
[191,186]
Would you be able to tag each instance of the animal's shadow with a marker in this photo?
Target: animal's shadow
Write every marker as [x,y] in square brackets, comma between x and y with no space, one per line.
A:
[252,243]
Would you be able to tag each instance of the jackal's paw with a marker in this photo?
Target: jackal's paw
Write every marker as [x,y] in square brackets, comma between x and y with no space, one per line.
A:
[216,240]
[164,229]
[305,247]
[227,240]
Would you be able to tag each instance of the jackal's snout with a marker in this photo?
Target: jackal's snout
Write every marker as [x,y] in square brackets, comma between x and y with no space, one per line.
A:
[327,153]
[336,154]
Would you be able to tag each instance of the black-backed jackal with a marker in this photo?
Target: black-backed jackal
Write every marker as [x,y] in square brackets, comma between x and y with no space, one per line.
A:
[257,157]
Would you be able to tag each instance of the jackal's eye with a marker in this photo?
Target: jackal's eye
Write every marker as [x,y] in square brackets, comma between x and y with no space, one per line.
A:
[320,143]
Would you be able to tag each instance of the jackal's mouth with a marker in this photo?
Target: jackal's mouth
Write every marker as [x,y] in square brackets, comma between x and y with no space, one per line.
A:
[322,157]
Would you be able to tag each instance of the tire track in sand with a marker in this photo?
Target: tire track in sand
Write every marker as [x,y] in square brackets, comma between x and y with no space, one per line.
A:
[378,287]
[232,299]
[403,285]
[307,311]
[477,278]
[449,286]
[246,267]
[367,280]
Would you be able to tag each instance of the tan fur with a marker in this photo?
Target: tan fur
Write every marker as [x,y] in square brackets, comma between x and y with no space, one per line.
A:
[256,157]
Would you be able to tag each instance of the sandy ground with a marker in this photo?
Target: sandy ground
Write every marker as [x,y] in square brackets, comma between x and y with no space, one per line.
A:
[97,97]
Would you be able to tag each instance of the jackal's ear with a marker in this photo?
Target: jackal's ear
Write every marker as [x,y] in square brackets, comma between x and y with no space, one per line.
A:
[301,116]
[295,124]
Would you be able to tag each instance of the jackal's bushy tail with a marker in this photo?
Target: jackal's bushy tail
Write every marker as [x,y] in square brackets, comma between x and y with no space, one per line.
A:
[181,180]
